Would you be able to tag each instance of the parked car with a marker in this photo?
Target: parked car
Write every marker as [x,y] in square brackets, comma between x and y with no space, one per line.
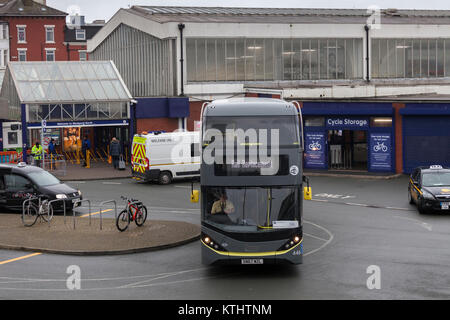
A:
[429,188]
[19,182]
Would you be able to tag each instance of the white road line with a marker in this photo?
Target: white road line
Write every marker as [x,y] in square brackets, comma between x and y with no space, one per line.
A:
[111,182]
[323,245]
[75,182]
[424,225]
[315,237]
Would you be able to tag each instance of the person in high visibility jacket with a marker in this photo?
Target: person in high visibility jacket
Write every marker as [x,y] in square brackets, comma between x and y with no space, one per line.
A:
[36,151]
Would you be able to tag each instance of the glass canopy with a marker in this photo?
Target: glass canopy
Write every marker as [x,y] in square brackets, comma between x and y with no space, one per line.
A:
[68,82]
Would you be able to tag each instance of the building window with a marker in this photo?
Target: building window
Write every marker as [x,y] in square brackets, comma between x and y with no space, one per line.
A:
[80,34]
[83,55]
[21,34]
[410,58]
[22,55]
[4,31]
[50,54]
[5,58]
[50,34]
[273,59]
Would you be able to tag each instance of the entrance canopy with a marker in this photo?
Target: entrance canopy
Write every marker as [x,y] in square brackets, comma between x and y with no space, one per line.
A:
[43,85]
[68,81]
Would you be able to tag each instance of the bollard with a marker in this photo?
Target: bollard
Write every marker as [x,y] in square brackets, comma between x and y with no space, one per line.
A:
[88,159]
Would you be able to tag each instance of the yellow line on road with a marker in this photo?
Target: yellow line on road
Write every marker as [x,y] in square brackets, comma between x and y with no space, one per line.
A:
[94,213]
[20,258]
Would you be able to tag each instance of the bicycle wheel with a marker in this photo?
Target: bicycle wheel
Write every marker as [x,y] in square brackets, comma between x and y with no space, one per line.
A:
[30,215]
[47,211]
[123,220]
[141,215]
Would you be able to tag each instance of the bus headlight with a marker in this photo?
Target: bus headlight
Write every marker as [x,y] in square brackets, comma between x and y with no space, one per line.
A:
[291,243]
[208,241]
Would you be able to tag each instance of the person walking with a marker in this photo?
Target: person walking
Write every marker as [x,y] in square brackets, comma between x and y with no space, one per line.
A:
[36,151]
[52,152]
[85,146]
[115,152]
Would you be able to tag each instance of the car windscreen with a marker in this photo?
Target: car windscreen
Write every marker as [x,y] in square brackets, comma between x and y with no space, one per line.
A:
[436,179]
[43,178]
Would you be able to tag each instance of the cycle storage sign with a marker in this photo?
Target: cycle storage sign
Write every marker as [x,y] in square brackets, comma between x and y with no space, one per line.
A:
[380,149]
[315,156]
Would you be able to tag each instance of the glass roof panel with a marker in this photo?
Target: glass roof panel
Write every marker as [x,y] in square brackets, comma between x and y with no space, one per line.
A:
[110,90]
[68,81]
[87,90]
[98,90]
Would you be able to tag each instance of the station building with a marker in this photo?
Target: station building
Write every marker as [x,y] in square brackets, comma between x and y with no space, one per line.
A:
[373,85]
[66,101]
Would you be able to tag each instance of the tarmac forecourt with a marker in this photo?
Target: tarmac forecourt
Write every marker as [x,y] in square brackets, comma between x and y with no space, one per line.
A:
[60,237]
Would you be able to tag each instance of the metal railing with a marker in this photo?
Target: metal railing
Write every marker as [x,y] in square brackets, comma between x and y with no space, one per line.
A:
[101,207]
[89,202]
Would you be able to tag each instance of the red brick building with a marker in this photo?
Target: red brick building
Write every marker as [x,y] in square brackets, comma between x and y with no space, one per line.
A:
[36,30]
[76,35]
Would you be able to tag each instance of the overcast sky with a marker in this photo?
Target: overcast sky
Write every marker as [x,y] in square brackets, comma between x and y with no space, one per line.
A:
[105,9]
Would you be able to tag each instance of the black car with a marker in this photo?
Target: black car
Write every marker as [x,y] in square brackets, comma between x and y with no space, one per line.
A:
[18,182]
[429,188]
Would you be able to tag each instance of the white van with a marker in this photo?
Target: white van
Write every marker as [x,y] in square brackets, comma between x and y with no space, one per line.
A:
[165,156]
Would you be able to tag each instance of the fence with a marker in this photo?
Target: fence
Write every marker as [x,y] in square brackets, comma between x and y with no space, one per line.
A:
[9,157]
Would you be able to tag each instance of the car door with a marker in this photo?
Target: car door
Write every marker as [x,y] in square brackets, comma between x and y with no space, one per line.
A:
[414,188]
[3,197]
[17,189]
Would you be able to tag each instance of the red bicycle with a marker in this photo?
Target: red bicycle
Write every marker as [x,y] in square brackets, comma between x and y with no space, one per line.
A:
[135,211]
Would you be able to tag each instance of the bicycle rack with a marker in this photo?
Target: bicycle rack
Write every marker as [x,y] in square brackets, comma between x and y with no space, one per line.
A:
[90,211]
[64,205]
[39,206]
[101,206]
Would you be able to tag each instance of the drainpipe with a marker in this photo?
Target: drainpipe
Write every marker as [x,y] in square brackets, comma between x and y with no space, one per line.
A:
[181,27]
[367,28]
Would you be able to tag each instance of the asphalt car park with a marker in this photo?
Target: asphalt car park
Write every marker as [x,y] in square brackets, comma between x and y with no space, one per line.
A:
[351,225]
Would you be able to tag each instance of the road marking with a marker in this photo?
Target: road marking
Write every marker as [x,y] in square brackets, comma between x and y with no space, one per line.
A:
[75,182]
[94,213]
[111,182]
[20,258]
[315,237]
[323,245]
[362,205]
[424,225]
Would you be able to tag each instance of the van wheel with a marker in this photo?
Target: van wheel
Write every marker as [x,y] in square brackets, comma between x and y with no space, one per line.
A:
[165,178]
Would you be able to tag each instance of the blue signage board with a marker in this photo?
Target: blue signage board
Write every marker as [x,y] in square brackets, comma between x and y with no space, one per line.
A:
[121,122]
[341,123]
[315,155]
[380,149]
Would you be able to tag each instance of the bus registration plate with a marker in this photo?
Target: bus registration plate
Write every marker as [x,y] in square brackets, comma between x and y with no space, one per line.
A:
[252,261]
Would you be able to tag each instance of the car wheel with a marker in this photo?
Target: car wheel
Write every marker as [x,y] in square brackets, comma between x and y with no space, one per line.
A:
[165,178]
[421,207]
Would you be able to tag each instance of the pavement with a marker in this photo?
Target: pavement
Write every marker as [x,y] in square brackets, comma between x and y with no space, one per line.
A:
[60,237]
[358,174]
[97,171]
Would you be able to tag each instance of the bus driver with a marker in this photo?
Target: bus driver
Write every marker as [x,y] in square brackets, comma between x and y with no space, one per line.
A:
[223,205]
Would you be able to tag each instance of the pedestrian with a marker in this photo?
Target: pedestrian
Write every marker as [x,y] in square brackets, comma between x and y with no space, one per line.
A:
[52,151]
[85,146]
[36,152]
[115,152]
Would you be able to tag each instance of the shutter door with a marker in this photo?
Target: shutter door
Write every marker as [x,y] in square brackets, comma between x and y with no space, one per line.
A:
[426,141]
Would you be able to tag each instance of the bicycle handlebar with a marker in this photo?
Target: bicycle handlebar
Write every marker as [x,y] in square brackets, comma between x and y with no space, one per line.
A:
[129,199]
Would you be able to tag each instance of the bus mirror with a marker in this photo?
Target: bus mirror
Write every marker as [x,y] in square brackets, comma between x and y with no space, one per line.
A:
[307,194]
[194,196]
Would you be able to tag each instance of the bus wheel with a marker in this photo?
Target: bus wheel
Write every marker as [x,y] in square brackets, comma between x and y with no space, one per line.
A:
[165,177]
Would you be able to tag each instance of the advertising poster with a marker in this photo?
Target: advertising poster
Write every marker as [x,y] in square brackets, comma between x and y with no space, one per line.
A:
[315,155]
[380,151]
[72,139]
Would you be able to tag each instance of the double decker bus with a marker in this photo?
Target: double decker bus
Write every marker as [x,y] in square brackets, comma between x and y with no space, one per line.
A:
[251,182]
